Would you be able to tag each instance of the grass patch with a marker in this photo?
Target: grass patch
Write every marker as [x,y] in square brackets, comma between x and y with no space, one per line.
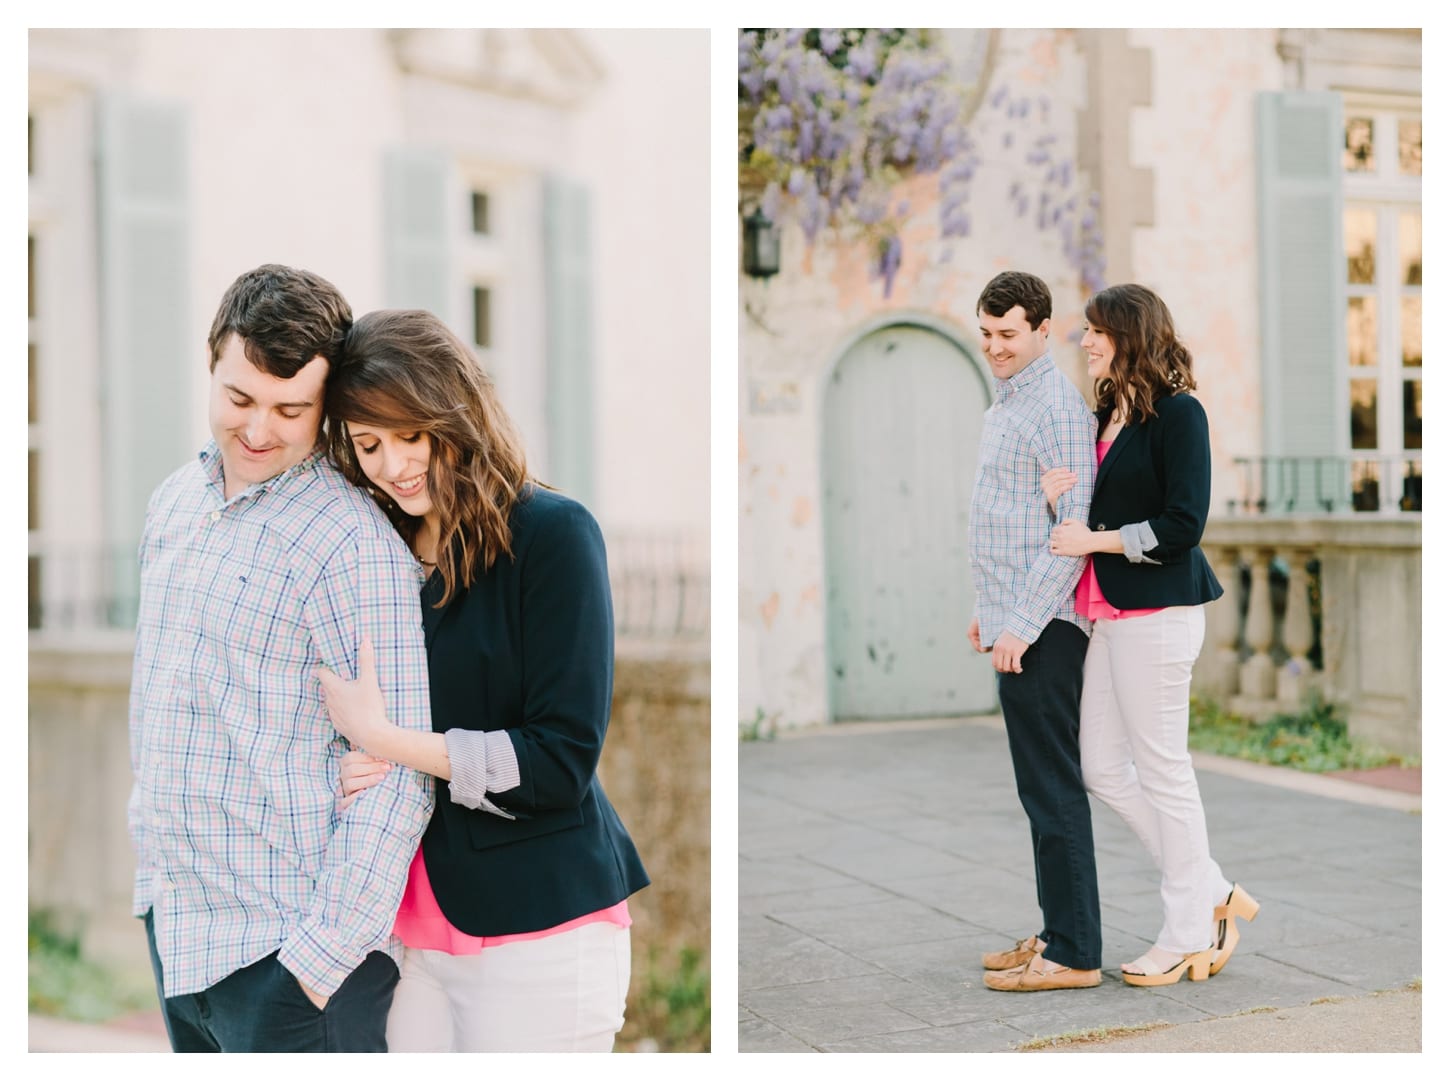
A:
[1315,740]
[671,1009]
[65,984]
[1091,1035]
[761,728]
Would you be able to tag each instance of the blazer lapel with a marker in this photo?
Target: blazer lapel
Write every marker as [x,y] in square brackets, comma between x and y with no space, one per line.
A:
[1127,435]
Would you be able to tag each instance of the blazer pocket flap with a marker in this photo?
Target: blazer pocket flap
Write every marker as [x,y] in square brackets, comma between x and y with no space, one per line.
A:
[489,830]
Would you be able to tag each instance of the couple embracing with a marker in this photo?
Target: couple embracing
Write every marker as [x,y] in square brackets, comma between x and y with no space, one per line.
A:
[1085,529]
[373,676]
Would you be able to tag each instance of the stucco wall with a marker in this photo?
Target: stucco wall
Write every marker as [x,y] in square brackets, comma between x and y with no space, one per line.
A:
[642,144]
[288,130]
[1201,253]
[1188,113]
[794,327]
[286,174]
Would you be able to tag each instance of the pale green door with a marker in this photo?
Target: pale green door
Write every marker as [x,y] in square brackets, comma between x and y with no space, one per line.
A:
[903,416]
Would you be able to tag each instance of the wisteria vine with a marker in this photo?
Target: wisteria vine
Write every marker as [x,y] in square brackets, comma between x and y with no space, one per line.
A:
[831,120]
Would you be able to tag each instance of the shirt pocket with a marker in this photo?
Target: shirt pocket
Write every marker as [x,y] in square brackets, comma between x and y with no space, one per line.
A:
[252,606]
[258,664]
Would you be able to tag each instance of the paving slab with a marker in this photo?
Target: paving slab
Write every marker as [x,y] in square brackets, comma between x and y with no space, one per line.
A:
[902,853]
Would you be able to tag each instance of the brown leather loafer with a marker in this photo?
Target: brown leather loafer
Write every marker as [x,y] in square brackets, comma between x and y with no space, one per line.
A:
[1023,951]
[1040,974]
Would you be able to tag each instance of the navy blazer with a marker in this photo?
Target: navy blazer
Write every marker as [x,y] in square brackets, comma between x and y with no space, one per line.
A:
[528,648]
[1157,471]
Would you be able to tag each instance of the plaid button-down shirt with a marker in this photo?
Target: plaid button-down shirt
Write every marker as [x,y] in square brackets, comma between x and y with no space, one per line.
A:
[240,849]
[1038,421]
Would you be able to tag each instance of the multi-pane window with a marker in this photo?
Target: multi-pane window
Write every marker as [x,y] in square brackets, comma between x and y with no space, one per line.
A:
[499,284]
[1383,313]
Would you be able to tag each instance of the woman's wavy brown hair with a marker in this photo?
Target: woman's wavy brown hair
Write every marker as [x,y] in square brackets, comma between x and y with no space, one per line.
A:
[404,370]
[1149,361]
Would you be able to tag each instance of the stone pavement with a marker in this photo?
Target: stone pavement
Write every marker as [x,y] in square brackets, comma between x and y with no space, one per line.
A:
[878,861]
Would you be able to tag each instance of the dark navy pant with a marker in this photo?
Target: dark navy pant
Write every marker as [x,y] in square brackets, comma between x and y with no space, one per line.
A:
[1040,707]
[263,1008]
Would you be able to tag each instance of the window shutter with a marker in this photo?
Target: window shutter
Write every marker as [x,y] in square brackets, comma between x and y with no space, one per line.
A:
[415,193]
[148,357]
[1302,276]
[569,337]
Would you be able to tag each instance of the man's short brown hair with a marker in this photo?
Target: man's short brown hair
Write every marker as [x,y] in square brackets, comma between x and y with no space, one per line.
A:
[285,317]
[1014,287]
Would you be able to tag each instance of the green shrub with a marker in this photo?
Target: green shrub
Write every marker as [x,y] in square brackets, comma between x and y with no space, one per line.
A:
[1315,739]
[761,728]
[63,983]
[671,1009]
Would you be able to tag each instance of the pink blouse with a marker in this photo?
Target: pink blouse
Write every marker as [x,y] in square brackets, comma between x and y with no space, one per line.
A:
[422,926]
[1090,600]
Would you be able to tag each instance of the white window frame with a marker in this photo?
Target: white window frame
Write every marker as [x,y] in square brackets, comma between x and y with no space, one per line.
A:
[507,262]
[1388,193]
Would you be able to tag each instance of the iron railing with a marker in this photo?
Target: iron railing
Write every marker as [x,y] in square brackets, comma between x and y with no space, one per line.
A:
[1323,485]
[661,586]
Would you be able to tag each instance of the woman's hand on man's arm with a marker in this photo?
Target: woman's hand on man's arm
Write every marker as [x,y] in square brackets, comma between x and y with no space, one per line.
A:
[360,771]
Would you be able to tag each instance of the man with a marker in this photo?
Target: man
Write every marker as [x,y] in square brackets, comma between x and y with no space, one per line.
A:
[1025,617]
[268,909]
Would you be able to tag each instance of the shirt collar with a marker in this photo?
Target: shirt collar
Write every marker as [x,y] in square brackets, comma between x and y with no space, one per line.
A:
[1035,370]
[210,457]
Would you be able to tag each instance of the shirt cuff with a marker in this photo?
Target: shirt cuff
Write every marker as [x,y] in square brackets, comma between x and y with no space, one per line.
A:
[1023,627]
[318,960]
[481,762]
[1138,538]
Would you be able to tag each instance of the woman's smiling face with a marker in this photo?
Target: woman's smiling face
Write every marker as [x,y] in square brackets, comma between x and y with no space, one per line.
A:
[396,463]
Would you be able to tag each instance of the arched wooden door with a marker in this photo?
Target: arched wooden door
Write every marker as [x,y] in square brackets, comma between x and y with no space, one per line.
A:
[903,417]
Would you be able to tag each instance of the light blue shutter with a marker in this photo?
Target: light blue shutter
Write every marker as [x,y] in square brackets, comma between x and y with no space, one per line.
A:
[147,354]
[415,250]
[569,338]
[1301,286]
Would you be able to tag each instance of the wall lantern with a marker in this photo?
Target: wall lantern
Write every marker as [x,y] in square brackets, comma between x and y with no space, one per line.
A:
[762,246]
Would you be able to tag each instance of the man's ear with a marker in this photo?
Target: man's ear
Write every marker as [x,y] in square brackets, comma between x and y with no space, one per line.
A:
[1046,327]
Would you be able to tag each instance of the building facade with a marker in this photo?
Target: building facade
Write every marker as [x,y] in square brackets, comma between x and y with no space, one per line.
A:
[511,181]
[481,174]
[1266,183]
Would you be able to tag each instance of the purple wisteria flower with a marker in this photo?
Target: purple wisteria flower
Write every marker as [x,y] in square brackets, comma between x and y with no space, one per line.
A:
[833,119]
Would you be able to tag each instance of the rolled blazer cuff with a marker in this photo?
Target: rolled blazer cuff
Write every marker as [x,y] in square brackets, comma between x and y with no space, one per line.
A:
[481,762]
[1138,538]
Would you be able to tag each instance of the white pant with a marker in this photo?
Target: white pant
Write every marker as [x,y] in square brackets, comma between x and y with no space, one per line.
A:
[564,992]
[1135,759]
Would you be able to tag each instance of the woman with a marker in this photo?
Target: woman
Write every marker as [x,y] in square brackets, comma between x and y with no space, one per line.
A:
[514,914]
[1144,587]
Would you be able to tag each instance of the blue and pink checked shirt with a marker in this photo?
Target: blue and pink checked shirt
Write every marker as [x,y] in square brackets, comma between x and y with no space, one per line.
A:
[1038,421]
[239,847]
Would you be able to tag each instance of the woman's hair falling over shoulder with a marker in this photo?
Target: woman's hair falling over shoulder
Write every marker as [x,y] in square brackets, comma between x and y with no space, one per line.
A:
[1149,361]
[405,370]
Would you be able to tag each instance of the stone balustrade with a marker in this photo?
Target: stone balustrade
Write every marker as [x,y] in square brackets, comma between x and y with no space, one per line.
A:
[1328,603]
